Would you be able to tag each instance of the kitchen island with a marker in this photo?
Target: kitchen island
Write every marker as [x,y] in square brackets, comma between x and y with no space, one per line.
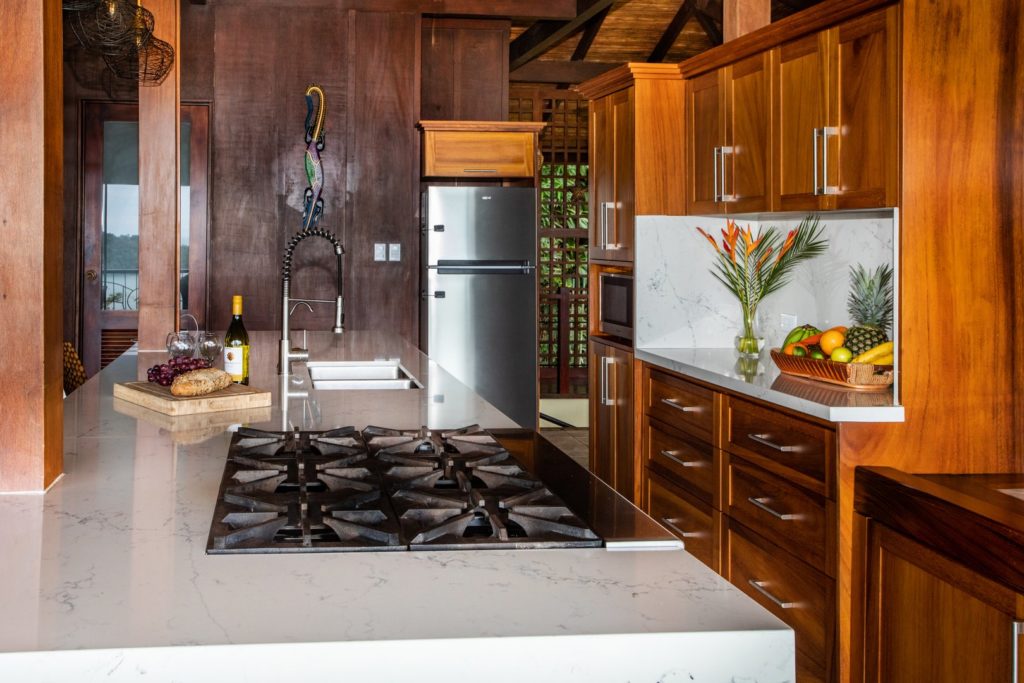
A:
[107,576]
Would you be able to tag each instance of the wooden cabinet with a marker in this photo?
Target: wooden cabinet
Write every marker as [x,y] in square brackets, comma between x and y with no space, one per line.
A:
[479,149]
[728,138]
[636,153]
[611,417]
[692,520]
[836,117]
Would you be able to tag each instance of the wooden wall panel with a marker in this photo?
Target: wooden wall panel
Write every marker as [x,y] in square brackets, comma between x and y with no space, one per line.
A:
[465,70]
[383,171]
[31,215]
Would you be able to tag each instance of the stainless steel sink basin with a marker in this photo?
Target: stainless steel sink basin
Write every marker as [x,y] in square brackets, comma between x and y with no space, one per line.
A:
[355,375]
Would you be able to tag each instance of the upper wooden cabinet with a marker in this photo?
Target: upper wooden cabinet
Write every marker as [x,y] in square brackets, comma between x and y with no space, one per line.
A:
[836,117]
[636,153]
[479,149]
[727,133]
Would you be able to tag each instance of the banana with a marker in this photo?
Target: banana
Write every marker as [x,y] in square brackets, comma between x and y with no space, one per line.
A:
[871,355]
[884,360]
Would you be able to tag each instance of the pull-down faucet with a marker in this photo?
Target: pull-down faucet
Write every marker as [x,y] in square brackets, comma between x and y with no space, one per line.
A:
[288,354]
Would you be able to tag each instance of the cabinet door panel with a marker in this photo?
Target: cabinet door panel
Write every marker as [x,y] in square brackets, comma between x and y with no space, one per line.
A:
[747,132]
[864,110]
[704,122]
[622,392]
[624,211]
[692,520]
[602,443]
[602,178]
[799,69]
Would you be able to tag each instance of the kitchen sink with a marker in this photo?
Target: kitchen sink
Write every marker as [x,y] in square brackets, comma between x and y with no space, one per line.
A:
[355,375]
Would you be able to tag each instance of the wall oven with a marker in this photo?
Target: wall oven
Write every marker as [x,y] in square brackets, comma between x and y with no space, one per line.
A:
[616,304]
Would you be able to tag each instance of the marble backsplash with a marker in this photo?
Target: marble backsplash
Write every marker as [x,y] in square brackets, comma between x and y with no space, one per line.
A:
[679,304]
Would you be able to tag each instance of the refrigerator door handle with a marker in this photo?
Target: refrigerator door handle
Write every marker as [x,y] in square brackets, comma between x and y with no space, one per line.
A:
[461,267]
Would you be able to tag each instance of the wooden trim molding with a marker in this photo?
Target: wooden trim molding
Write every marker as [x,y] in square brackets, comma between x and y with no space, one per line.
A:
[625,76]
[483,126]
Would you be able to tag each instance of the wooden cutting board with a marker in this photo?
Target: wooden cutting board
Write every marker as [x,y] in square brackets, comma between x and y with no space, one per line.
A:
[160,399]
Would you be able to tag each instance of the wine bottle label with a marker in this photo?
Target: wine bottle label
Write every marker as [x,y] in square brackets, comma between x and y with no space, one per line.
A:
[236,362]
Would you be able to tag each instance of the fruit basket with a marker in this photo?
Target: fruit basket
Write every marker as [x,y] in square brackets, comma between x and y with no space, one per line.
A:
[861,376]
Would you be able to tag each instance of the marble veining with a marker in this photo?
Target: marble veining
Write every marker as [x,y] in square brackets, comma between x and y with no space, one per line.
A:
[106,576]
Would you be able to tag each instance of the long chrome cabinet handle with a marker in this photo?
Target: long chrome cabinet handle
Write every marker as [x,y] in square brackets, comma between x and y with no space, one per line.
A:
[817,134]
[760,504]
[1018,631]
[714,173]
[684,409]
[602,237]
[722,151]
[764,441]
[606,398]
[679,461]
[685,534]
[825,187]
[759,587]
[608,244]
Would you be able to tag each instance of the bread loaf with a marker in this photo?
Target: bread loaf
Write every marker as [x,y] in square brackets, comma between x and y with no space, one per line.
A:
[200,382]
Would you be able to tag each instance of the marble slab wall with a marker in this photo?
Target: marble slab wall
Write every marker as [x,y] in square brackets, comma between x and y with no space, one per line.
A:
[679,304]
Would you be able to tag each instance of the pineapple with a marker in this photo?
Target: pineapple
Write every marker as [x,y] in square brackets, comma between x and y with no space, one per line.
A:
[870,307]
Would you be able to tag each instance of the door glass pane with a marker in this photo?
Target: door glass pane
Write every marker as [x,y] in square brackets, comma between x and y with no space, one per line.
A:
[183,208]
[120,216]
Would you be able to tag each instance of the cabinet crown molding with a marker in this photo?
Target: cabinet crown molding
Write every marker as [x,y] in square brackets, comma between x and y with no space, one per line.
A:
[625,76]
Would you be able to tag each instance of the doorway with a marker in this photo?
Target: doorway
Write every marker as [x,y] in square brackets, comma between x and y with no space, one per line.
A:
[110,225]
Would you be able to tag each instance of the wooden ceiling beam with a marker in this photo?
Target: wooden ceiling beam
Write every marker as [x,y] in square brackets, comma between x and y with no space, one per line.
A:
[675,27]
[590,32]
[539,71]
[544,35]
[710,28]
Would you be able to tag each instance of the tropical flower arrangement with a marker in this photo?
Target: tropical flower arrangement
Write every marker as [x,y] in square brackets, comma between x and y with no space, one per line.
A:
[753,265]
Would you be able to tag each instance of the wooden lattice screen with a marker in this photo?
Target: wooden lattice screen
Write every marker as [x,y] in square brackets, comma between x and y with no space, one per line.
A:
[562,241]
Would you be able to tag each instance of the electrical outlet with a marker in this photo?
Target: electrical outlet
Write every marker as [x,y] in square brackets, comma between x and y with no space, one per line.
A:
[380,251]
[787,321]
[394,251]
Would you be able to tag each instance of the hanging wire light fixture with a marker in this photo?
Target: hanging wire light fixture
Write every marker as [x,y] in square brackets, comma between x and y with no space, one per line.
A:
[148,64]
[79,5]
[112,26]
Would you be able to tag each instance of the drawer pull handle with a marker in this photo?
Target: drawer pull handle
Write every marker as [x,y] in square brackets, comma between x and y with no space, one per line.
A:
[679,461]
[764,441]
[479,170]
[759,587]
[761,504]
[685,534]
[672,403]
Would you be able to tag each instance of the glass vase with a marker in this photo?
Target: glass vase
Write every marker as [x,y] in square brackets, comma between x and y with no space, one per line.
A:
[748,342]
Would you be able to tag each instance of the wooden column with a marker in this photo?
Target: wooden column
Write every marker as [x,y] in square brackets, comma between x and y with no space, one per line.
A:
[31,227]
[740,17]
[159,178]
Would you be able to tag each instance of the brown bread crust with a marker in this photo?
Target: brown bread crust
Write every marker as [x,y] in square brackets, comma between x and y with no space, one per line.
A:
[200,382]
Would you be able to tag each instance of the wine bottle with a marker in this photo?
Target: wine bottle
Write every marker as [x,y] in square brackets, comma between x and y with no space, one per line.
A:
[236,345]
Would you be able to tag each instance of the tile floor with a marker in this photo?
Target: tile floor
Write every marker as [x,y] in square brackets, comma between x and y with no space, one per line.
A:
[573,442]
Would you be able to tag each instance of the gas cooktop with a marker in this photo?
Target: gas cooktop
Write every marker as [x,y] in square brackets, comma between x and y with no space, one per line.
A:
[384,490]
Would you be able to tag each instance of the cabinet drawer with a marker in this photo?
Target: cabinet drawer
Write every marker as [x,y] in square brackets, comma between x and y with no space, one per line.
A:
[794,592]
[681,404]
[691,460]
[787,445]
[478,154]
[786,514]
[690,519]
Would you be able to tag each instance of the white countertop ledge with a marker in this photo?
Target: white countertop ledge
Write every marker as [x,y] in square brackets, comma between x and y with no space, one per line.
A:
[817,399]
[106,576]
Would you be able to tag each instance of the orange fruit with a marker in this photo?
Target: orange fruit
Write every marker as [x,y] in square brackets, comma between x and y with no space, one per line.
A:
[831,340]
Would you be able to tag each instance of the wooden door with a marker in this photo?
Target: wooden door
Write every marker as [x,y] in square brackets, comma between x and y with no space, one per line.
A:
[110,253]
[602,178]
[747,135]
[799,115]
[622,395]
[864,111]
[602,416]
[704,136]
[624,175]
[931,619]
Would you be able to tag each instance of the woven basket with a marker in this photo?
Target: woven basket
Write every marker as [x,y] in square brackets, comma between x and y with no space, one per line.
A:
[862,376]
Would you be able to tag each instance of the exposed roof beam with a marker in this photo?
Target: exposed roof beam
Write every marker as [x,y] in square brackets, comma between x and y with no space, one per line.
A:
[710,28]
[675,27]
[544,35]
[589,33]
[798,5]
[559,72]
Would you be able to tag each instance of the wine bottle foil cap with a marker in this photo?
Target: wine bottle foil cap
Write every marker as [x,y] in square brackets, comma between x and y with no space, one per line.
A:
[236,304]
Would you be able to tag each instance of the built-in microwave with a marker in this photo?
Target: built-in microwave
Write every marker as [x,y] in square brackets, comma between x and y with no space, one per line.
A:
[616,301]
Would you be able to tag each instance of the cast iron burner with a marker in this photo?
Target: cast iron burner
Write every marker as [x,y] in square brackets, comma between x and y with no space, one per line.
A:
[384,489]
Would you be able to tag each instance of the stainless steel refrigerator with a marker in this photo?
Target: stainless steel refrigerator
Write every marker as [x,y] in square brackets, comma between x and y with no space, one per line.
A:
[479,316]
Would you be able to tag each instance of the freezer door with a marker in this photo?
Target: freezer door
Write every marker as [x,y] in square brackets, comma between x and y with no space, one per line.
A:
[482,329]
[481,223]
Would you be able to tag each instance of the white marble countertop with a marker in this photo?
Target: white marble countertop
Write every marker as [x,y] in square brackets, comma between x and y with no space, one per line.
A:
[106,576]
[719,367]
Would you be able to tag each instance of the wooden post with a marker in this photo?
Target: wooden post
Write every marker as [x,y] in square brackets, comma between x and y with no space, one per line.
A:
[740,17]
[31,227]
[159,179]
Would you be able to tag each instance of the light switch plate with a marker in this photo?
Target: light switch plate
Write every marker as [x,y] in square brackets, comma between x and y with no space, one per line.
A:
[394,251]
[787,321]
[380,251]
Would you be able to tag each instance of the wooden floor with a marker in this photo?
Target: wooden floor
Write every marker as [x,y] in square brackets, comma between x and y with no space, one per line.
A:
[573,442]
